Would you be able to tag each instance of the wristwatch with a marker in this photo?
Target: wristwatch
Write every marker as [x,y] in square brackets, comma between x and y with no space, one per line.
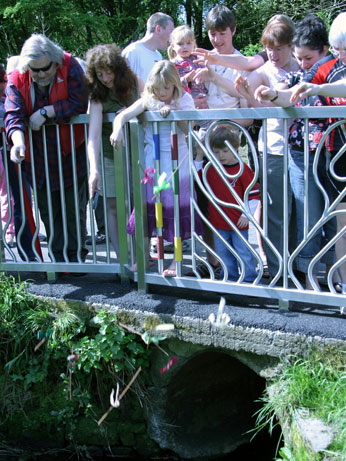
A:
[44,114]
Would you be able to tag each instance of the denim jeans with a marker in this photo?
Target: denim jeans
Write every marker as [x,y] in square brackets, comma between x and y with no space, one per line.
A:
[315,207]
[242,251]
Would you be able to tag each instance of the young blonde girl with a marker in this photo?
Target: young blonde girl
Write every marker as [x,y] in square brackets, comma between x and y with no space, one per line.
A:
[181,53]
[163,92]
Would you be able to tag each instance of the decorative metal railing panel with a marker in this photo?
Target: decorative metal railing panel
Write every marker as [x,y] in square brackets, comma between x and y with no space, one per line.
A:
[134,258]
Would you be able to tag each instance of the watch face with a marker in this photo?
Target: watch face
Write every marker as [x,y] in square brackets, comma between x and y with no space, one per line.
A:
[43,112]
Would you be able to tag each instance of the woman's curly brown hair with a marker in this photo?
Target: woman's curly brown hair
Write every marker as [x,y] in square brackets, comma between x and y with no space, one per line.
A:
[109,57]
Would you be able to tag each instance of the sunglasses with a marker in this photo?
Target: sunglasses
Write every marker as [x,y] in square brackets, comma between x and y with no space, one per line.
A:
[41,69]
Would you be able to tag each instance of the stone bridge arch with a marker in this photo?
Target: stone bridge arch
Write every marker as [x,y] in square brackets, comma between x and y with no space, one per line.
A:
[205,405]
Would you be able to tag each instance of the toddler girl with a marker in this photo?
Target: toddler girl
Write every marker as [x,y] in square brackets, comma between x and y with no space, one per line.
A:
[180,52]
[163,92]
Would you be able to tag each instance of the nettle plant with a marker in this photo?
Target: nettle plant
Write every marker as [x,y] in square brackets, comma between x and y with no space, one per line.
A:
[73,354]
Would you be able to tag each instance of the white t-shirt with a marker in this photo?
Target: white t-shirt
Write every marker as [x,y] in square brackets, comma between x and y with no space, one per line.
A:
[218,99]
[141,59]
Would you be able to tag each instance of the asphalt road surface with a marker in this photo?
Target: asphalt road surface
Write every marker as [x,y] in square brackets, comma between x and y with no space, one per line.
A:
[245,311]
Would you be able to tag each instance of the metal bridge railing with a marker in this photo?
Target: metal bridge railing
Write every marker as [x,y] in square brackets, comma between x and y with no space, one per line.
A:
[131,193]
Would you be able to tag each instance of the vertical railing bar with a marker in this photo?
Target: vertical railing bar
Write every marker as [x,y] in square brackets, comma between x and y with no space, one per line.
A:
[286,186]
[76,195]
[128,189]
[8,192]
[104,200]
[35,201]
[21,229]
[265,180]
[176,193]
[306,177]
[118,156]
[62,195]
[158,203]
[192,195]
[139,200]
[49,196]
[91,214]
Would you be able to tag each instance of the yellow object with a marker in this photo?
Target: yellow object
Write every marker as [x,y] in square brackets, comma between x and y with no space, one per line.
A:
[158,214]
[178,254]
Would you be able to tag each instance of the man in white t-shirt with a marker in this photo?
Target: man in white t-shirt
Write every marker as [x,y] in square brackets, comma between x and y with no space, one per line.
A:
[143,54]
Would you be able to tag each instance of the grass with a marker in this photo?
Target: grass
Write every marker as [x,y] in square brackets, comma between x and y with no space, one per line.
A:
[316,384]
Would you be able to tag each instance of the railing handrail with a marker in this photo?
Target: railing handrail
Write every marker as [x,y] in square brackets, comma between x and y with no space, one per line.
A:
[258,113]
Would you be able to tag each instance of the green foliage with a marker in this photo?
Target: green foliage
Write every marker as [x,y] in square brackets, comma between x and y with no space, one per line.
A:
[285,454]
[251,49]
[44,382]
[77,25]
[110,346]
[316,384]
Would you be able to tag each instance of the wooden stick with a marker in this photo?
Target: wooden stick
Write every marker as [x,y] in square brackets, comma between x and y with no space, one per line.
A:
[70,384]
[162,350]
[134,377]
[39,344]
[131,330]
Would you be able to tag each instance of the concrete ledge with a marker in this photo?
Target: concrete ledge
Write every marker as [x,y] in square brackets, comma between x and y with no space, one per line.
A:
[237,338]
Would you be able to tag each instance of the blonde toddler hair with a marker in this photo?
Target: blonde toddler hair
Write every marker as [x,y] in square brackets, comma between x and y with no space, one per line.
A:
[179,34]
[163,73]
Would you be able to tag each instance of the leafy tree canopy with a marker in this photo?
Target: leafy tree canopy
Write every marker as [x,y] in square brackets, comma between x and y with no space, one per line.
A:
[80,24]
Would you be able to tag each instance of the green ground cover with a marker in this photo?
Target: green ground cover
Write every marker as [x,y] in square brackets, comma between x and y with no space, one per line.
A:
[317,385]
[55,395]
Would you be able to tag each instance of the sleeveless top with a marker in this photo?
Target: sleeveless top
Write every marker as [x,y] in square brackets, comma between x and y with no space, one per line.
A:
[110,106]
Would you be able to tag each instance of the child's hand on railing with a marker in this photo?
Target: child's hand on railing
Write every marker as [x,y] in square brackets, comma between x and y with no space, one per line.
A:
[165,110]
